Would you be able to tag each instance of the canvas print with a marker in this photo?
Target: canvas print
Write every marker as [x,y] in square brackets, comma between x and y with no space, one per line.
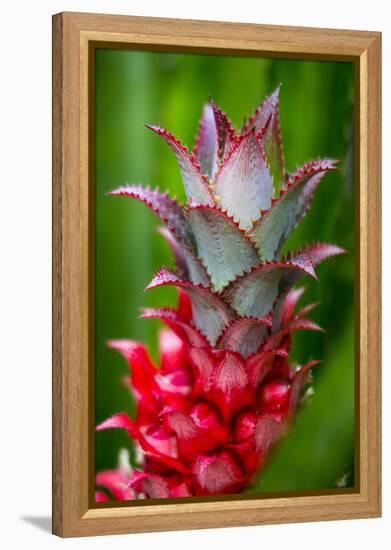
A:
[224,189]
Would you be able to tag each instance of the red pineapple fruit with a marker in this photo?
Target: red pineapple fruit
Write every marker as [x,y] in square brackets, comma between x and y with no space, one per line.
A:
[225,391]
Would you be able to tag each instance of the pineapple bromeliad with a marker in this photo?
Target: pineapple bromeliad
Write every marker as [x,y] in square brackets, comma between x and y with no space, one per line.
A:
[225,391]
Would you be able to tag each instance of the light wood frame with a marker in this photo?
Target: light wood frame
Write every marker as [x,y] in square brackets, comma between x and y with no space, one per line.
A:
[74,35]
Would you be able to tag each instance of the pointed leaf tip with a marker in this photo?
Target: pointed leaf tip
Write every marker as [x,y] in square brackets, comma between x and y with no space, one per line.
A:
[301,260]
[319,252]
[206,145]
[265,121]
[244,184]
[226,137]
[118,420]
[263,112]
[270,232]
[297,324]
[168,210]
[196,188]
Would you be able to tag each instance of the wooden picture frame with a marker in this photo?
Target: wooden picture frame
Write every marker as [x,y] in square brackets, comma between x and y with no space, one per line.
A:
[75,35]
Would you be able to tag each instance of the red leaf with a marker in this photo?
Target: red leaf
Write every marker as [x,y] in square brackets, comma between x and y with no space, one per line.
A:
[274,397]
[100,496]
[180,490]
[173,351]
[198,431]
[151,442]
[268,431]
[116,482]
[121,421]
[244,426]
[230,389]
[176,382]
[290,301]
[183,329]
[217,474]
[204,365]
[151,485]
[184,306]
[142,369]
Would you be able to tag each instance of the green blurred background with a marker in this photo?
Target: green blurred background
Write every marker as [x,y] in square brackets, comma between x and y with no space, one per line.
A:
[316,113]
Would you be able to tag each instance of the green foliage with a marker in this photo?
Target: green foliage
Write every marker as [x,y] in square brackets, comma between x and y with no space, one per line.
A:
[316,109]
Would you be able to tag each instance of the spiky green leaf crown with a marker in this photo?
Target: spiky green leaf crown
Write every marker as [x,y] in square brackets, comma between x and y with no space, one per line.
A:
[242,206]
